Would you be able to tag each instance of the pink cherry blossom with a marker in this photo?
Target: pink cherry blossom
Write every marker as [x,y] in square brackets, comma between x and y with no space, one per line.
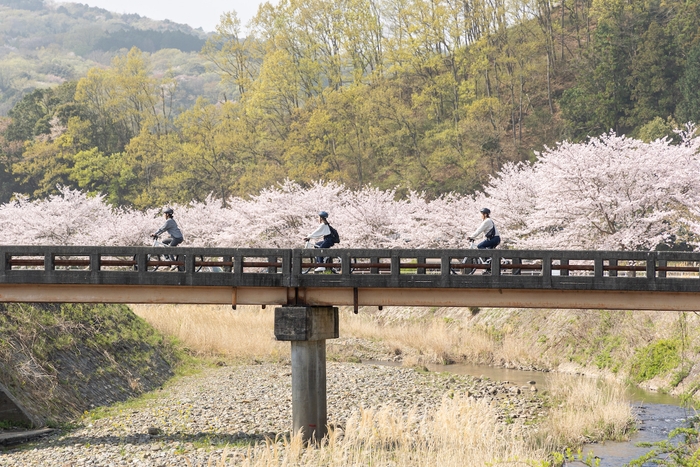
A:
[611,192]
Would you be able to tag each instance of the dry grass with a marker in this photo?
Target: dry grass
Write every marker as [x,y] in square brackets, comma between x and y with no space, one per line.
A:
[247,333]
[460,432]
[586,410]
[242,334]
[433,340]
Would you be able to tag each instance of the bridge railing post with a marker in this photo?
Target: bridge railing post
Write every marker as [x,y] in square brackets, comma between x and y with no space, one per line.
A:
[395,266]
[238,264]
[94,263]
[651,266]
[295,268]
[345,263]
[189,263]
[49,262]
[598,266]
[547,270]
[445,266]
[495,263]
[141,263]
[307,328]
[3,263]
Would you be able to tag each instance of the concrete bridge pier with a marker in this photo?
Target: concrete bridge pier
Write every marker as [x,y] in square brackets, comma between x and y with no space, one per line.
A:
[307,328]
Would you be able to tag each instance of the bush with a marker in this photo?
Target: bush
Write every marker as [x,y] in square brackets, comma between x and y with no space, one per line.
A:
[655,359]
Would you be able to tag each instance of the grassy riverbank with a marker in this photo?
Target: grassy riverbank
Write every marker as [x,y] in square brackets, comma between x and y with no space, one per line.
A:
[59,360]
[464,431]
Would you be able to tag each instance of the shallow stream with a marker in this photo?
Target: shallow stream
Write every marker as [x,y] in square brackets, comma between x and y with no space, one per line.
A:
[658,413]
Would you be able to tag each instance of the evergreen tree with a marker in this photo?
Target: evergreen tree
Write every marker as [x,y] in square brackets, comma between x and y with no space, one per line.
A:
[689,108]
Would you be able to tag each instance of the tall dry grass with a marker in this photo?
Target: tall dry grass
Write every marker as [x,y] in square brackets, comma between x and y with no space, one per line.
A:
[433,340]
[246,333]
[461,432]
[588,410]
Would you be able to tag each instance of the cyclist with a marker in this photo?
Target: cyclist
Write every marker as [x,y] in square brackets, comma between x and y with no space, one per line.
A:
[173,230]
[323,231]
[171,227]
[488,228]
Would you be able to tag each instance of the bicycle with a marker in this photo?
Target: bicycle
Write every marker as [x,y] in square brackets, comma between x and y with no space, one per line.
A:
[158,258]
[328,259]
[477,260]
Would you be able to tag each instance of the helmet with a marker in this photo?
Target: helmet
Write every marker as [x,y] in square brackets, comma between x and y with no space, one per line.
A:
[485,211]
[323,214]
[168,211]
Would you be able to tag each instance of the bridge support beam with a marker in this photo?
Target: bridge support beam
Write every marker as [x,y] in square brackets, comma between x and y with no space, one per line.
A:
[307,328]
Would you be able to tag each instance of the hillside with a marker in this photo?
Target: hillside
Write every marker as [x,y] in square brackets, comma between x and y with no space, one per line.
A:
[421,97]
[59,360]
[44,44]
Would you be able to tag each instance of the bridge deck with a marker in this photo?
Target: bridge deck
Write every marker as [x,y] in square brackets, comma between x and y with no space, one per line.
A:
[547,278]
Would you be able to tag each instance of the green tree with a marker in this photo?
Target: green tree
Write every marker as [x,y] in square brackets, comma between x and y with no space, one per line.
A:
[109,175]
[237,59]
[689,107]
[10,154]
[652,78]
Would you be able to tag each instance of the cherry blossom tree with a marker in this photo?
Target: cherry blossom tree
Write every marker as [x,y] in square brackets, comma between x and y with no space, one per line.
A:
[611,192]
[71,218]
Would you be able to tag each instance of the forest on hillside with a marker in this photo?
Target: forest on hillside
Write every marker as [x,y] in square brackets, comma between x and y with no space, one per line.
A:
[421,96]
[43,44]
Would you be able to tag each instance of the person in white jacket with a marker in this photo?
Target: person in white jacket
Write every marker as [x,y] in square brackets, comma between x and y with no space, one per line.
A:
[323,231]
[488,228]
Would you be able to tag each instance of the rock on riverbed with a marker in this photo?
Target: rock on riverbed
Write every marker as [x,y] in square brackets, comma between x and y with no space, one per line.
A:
[196,416]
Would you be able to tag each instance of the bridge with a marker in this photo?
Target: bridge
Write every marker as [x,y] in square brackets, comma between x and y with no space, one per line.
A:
[306,313]
[511,278]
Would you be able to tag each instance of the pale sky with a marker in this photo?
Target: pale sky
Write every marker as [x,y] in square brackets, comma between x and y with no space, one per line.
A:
[196,13]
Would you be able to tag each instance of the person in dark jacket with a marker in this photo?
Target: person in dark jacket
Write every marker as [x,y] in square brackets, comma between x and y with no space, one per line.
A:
[171,228]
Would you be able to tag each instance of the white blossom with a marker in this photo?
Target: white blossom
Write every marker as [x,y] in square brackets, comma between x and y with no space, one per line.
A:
[611,192]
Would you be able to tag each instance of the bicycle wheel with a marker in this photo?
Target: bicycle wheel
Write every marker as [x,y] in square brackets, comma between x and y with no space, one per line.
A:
[177,258]
[156,258]
[468,260]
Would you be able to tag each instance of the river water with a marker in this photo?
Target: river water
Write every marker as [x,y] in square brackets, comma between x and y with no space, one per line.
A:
[657,413]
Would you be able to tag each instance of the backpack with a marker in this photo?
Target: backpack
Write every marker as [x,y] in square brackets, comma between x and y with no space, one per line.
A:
[492,231]
[334,237]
